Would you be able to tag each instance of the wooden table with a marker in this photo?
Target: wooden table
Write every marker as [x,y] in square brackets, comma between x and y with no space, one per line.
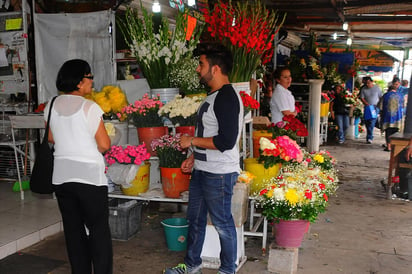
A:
[398,142]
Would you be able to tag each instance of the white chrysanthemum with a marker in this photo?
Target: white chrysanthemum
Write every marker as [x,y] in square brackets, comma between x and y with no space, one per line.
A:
[279,194]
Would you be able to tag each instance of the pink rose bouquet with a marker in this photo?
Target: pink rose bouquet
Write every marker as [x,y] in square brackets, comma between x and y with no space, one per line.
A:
[282,149]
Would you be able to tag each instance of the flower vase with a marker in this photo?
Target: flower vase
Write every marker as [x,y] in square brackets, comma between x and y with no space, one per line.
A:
[140,183]
[165,94]
[174,181]
[189,130]
[147,134]
[262,174]
[243,86]
[290,233]
[122,129]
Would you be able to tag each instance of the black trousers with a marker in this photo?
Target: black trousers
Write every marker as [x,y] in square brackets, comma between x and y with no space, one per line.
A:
[81,206]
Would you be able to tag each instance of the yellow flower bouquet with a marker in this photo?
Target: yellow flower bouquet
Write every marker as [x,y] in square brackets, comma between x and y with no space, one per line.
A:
[112,100]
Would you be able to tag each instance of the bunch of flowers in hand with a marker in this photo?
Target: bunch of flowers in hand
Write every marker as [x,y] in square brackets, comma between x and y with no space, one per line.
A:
[127,154]
[169,151]
[112,100]
[248,102]
[181,111]
[281,149]
[298,192]
[144,112]
[158,50]
[247,30]
[289,126]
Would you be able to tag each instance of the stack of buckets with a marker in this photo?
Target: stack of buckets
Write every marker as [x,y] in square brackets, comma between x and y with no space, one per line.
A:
[176,233]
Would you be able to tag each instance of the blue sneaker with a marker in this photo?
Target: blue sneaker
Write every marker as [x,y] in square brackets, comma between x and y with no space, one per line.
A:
[182,269]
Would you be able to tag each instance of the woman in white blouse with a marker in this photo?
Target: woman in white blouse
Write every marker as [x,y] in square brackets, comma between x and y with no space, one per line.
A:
[282,102]
[80,138]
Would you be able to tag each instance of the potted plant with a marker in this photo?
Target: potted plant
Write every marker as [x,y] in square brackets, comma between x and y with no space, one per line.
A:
[171,155]
[159,48]
[128,167]
[143,114]
[296,197]
[182,112]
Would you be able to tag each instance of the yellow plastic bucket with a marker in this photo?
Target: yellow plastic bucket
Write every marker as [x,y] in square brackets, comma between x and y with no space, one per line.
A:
[262,174]
[140,183]
[324,109]
[257,134]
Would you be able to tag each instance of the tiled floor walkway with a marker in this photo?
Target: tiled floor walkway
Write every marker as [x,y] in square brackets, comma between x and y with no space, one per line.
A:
[25,222]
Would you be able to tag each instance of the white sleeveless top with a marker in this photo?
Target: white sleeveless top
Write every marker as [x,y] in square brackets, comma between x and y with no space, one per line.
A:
[74,122]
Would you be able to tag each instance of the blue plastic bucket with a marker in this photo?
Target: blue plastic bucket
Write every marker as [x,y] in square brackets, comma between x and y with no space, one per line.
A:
[176,233]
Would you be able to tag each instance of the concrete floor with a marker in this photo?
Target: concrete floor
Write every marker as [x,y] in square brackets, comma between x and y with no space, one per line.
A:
[361,232]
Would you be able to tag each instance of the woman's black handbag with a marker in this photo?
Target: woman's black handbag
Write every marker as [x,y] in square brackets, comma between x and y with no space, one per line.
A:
[42,173]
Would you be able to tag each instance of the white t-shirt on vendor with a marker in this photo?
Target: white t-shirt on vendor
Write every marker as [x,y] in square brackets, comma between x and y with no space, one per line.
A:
[282,100]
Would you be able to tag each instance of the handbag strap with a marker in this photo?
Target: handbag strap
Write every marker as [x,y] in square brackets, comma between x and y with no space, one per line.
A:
[46,132]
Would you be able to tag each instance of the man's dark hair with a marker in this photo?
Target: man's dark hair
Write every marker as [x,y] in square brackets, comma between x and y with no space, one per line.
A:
[70,75]
[395,80]
[216,54]
[366,78]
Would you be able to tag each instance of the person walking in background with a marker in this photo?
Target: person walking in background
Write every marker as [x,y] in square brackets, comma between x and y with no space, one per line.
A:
[340,113]
[80,138]
[391,114]
[282,102]
[370,96]
[214,163]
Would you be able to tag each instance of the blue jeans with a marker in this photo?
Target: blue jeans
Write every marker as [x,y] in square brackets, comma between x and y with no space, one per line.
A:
[343,123]
[370,125]
[211,193]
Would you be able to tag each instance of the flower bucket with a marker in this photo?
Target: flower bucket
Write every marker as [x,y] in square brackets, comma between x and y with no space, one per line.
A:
[176,233]
[147,134]
[165,94]
[262,174]
[190,130]
[324,110]
[174,181]
[256,137]
[290,233]
[140,183]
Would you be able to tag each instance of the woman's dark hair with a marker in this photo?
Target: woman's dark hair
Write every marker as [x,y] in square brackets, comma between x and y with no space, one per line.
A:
[278,72]
[70,75]
[217,55]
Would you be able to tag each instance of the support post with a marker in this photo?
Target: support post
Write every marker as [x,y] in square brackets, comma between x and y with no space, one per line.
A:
[315,89]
